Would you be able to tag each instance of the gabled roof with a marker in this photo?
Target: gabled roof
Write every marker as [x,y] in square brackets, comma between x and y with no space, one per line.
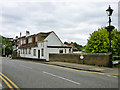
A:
[57,36]
[42,35]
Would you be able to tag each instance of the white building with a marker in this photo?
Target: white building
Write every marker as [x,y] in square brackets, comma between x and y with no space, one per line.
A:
[39,45]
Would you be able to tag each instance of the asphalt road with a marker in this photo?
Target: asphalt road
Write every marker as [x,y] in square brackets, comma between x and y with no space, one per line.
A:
[36,75]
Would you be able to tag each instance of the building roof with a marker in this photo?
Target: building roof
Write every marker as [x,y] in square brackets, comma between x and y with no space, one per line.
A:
[42,35]
[71,44]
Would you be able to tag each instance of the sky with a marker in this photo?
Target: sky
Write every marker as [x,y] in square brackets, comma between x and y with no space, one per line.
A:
[71,20]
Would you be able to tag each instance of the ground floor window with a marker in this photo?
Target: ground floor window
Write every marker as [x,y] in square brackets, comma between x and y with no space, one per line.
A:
[23,51]
[65,50]
[26,50]
[34,52]
[42,52]
[29,50]
[69,50]
[60,51]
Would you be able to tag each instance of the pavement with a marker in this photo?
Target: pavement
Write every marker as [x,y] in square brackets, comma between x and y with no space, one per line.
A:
[113,71]
[0,86]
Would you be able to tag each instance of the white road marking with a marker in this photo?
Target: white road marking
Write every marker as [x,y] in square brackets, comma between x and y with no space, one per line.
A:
[61,77]
[26,66]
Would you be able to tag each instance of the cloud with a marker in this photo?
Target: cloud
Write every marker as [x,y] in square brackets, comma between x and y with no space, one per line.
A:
[72,20]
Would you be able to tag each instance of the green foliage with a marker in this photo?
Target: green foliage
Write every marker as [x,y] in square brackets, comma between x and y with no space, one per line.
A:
[66,42]
[79,47]
[8,48]
[98,42]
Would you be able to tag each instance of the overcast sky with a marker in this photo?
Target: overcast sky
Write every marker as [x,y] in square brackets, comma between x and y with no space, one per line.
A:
[71,20]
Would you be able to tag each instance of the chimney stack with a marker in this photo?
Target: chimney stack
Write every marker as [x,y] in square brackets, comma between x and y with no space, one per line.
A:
[27,33]
[20,34]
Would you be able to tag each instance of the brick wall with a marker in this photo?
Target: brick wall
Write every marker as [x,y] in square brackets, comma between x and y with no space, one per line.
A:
[100,59]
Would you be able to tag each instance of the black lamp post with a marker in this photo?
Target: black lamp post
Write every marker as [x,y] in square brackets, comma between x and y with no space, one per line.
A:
[109,29]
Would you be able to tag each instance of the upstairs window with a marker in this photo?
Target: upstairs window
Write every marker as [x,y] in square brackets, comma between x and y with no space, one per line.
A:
[24,41]
[30,40]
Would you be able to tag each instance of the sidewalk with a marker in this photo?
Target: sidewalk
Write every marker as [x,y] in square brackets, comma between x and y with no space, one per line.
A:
[113,71]
[0,86]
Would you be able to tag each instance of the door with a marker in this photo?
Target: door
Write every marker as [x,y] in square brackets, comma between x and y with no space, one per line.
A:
[39,54]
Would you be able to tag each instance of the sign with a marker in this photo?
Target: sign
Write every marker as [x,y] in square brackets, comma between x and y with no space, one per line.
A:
[81,57]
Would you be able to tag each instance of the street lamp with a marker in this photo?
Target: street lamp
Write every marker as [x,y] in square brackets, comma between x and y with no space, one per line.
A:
[109,29]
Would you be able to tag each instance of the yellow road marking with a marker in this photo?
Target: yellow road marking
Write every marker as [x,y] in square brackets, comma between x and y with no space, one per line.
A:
[10,81]
[85,71]
[7,83]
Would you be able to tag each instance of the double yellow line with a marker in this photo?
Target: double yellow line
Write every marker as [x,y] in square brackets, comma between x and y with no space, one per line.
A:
[8,82]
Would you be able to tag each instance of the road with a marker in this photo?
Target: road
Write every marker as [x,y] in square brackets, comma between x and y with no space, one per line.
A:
[27,74]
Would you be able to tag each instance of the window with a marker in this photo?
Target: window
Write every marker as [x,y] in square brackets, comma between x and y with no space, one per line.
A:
[30,40]
[29,50]
[23,51]
[36,38]
[61,51]
[65,50]
[26,50]
[34,52]
[42,50]
[24,41]
[21,41]
[69,50]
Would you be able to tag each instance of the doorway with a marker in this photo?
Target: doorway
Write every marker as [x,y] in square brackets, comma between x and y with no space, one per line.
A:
[39,54]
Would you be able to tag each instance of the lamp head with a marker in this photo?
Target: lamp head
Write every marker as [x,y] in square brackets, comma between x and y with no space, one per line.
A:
[109,11]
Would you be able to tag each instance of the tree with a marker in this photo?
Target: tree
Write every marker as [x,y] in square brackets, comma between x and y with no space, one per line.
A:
[98,42]
[65,42]
[79,47]
[8,48]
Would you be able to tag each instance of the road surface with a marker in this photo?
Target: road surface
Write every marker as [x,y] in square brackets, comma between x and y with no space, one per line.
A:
[26,74]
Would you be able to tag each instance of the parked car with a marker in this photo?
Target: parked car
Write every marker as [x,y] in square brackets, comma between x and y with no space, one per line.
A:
[10,56]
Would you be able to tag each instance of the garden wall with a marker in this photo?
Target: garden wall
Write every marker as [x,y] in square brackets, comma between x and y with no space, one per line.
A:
[99,59]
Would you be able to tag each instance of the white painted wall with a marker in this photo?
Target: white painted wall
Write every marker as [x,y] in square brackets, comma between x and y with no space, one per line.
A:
[40,46]
[53,40]
[30,55]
